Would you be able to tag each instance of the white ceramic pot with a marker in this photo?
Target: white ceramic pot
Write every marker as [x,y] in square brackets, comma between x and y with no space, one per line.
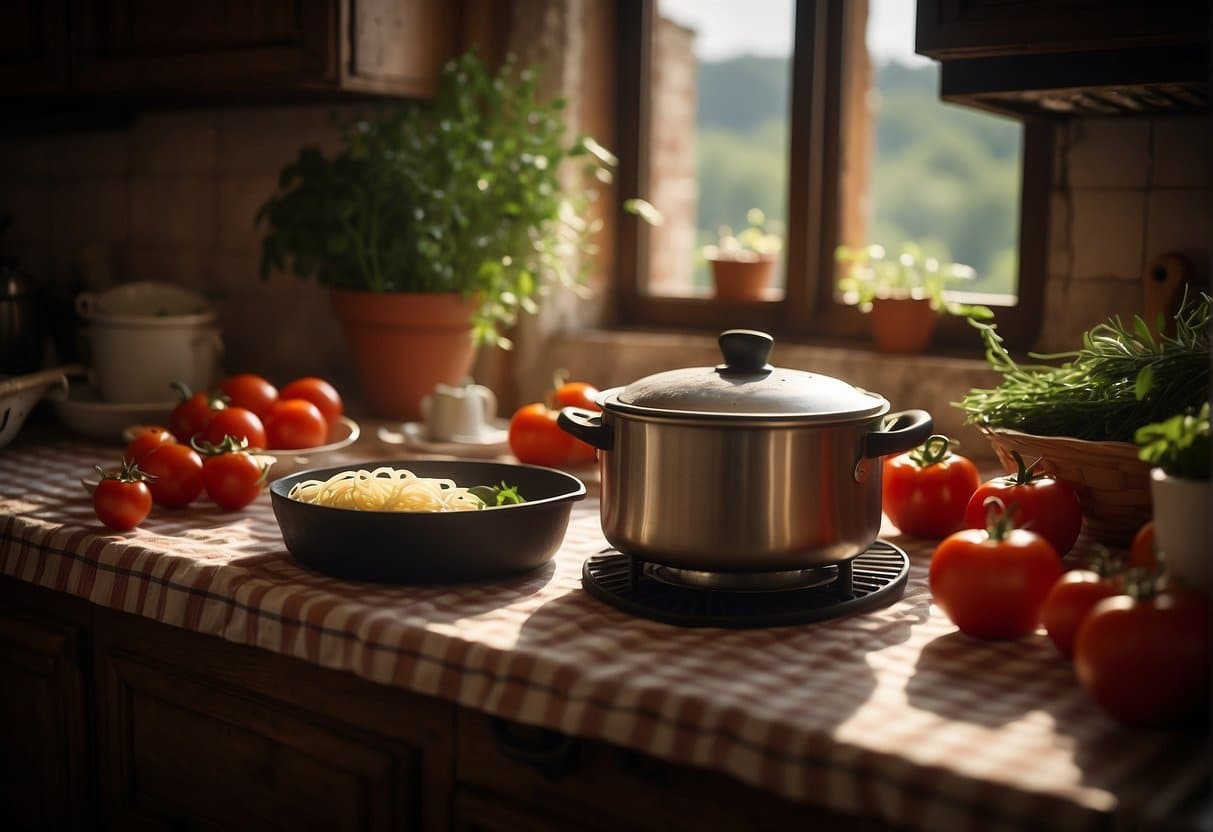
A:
[1181,527]
[144,337]
[133,363]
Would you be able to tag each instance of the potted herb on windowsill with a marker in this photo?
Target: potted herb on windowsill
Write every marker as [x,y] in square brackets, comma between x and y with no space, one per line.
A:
[744,263]
[434,225]
[904,296]
[1178,449]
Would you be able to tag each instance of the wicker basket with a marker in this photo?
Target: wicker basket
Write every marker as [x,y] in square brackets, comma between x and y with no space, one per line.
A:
[1113,484]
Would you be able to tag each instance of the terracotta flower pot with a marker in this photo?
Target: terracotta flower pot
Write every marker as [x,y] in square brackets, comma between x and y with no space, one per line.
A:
[742,279]
[902,325]
[404,343]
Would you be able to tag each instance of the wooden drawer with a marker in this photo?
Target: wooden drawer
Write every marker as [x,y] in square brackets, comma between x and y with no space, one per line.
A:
[506,772]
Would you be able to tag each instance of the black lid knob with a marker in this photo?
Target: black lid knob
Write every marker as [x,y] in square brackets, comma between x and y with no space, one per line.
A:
[745,350]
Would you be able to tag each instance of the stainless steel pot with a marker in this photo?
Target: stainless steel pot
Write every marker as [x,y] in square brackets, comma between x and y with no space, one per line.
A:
[743,467]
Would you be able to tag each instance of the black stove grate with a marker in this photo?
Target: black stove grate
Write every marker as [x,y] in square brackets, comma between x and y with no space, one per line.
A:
[873,579]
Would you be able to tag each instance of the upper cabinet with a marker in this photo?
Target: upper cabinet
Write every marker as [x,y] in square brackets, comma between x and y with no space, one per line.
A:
[231,50]
[33,46]
[1069,57]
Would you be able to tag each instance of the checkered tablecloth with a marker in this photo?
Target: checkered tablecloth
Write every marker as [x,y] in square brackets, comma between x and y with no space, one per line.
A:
[890,713]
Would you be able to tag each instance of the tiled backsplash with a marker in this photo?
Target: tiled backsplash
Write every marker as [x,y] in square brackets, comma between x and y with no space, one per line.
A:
[173,198]
[1124,192]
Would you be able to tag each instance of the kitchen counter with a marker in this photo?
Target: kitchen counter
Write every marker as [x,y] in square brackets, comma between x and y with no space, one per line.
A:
[891,715]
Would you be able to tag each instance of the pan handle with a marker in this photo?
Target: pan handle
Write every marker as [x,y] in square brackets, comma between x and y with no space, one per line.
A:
[587,426]
[900,432]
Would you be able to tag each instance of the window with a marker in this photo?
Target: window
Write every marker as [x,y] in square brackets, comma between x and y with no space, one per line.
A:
[795,108]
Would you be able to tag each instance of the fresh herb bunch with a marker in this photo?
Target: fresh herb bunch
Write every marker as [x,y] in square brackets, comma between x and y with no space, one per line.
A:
[462,193]
[1121,379]
[1179,445]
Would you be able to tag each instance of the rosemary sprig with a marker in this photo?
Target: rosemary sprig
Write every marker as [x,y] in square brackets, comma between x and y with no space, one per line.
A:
[1123,377]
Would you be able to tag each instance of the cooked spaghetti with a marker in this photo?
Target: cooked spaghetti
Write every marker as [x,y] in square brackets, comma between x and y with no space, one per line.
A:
[386,489]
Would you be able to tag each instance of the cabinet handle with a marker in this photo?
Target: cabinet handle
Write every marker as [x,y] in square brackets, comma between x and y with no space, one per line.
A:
[551,753]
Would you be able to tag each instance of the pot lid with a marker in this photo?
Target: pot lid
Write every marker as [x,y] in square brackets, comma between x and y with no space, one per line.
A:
[746,385]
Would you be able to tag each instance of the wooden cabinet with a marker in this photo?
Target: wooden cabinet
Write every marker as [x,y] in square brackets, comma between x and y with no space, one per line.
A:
[238,50]
[33,46]
[396,47]
[45,754]
[114,721]
[197,733]
[986,28]
[1062,58]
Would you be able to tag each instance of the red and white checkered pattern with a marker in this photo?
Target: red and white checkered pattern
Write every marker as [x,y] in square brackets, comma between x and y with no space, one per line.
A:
[891,713]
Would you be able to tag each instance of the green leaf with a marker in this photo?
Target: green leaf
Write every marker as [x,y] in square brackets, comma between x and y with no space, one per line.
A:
[1144,382]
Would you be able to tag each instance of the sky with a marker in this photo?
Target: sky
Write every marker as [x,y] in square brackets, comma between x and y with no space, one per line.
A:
[727,28]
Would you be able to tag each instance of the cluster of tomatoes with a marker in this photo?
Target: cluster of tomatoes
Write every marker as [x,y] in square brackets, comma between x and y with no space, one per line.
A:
[210,446]
[997,573]
[249,407]
[536,439]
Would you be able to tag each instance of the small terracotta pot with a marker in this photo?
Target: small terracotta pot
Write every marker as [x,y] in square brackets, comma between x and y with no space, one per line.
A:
[742,279]
[902,325]
[403,344]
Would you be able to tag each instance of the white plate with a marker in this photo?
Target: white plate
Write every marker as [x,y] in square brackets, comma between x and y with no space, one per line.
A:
[83,411]
[494,442]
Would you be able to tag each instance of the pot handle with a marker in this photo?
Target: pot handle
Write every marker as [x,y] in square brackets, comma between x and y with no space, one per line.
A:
[900,432]
[587,426]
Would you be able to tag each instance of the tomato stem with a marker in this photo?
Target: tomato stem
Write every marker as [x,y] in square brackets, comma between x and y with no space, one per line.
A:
[935,450]
[228,445]
[1103,563]
[999,522]
[1024,474]
[1141,583]
[129,472]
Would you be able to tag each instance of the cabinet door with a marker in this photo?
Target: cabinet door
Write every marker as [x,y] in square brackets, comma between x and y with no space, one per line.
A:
[33,46]
[149,46]
[44,752]
[196,733]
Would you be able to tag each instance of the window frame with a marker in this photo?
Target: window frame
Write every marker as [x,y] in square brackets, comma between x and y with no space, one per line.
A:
[809,311]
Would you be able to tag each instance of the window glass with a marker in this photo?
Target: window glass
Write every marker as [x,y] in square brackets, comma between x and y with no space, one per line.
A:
[943,180]
[719,144]
[818,117]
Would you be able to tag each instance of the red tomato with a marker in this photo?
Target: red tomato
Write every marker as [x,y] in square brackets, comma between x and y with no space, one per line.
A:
[1071,600]
[536,439]
[925,491]
[233,479]
[147,438]
[122,499]
[252,392]
[1141,550]
[317,391]
[992,582]
[1146,660]
[192,415]
[236,422]
[575,394]
[1042,503]
[295,423]
[176,472]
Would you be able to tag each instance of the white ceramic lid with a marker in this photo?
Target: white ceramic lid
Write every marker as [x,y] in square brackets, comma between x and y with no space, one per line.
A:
[146,303]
